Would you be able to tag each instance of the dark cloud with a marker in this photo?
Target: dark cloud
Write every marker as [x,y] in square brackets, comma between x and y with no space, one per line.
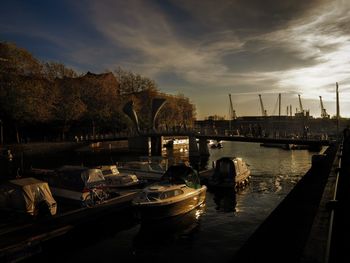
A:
[259,57]
[203,49]
[247,17]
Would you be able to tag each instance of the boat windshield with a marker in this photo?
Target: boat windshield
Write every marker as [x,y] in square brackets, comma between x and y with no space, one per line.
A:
[154,196]
[182,174]
[156,167]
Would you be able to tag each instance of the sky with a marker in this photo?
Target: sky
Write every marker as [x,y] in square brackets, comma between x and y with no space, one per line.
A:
[203,49]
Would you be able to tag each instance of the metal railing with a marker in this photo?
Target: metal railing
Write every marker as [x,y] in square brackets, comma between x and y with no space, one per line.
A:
[333,203]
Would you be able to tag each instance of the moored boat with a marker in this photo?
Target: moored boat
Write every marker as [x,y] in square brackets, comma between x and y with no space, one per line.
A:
[114,179]
[143,169]
[22,238]
[27,196]
[77,184]
[230,172]
[178,192]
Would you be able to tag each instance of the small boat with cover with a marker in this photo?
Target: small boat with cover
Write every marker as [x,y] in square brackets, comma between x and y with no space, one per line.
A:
[230,172]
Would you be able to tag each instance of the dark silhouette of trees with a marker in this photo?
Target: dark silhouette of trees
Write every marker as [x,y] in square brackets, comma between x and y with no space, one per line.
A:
[53,71]
[53,97]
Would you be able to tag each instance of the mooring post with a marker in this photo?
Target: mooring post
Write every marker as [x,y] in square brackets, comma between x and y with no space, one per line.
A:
[139,144]
[156,145]
[193,147]
[203,147]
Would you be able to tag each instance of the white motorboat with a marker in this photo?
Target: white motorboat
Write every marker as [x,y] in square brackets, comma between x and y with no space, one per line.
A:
[178,192]
[230,172]
[116,179]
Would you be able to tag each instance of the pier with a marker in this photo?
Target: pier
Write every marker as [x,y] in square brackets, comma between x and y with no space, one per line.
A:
[152,142]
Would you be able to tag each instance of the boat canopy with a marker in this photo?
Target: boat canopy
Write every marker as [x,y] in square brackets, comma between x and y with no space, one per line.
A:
[27,195]
[78,177]
[182,174]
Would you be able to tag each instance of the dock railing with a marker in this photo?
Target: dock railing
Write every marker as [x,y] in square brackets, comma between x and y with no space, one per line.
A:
[332,204]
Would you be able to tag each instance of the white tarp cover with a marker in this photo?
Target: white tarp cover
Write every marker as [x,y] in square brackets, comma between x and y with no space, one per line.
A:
[78,177]
[26,194]
[91,176]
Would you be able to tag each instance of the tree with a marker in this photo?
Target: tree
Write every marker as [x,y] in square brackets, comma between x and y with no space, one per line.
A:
[69,104]
[18,61]
[24,94]
[100,95]
[178,111]
[54,70]
[27,100]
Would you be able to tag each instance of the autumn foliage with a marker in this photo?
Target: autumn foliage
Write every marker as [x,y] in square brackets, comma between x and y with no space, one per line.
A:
[47,100]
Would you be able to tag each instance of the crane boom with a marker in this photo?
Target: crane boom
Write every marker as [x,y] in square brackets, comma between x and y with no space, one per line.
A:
[232,113]
[324,113]
[300,105]
[263,111]
[337,98]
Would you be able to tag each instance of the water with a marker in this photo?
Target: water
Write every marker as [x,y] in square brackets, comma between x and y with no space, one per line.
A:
[213,233]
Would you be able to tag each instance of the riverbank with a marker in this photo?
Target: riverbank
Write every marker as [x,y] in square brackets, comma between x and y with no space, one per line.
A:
[54,147]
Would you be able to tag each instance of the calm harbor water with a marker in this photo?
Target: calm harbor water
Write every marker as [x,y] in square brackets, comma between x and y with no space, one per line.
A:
[213,233]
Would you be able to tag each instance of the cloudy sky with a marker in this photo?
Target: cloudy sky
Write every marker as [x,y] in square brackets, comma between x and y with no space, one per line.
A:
[203,49]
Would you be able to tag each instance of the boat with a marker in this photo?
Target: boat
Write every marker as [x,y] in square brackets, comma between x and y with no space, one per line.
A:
[214,144]
[78,183]
[178,192]
[145,170]
[169,144]
[24,237]
[114,179]
[230,172]
[27,196]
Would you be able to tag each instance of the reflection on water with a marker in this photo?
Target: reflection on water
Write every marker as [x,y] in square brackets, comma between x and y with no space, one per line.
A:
[218,231]
[225,200]
[169,230]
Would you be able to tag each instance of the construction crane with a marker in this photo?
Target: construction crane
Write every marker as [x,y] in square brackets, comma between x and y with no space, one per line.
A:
[324,113]
[232,112]
[279,104]
[263,111]
[337,101]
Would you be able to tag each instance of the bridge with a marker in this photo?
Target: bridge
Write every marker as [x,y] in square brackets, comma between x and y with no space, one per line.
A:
[198,143]
[141,141]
